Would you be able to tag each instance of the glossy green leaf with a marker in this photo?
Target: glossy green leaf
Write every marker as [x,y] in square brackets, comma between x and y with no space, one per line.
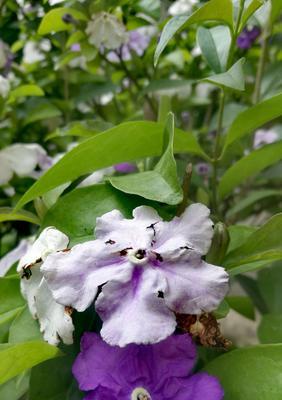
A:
[214,10]
[15,359]
[232,79]
[265,244]
[249,11]
[162,183]
[250,373]
[75,213]
[215,44]
[8,214]
[53,22]
[243,305]
[254,118]
[253,198]
[270,283]
[10,296]
[125,142]
[270,328]
[249,166]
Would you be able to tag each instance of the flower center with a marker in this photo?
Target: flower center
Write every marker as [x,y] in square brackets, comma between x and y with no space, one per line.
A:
[140,394]
[137,256]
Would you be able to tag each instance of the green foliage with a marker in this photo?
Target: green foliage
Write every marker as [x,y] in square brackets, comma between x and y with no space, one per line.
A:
[250,373]
[8,214]
[53,20]
[243,305]
[270,328]
[232,79]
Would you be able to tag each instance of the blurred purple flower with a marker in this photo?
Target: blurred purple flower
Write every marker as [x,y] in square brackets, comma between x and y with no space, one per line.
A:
[125,168]
[140,271]
[147,372]
[76,47]
[202,169]
[264,136]
[247,37]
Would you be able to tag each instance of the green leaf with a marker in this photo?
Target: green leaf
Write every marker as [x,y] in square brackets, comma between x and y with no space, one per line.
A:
[15,359]
[269,284]
[270,328]
[214,10]
[75,213]
[253,118]
[6,320]
[215,44]
[253,198]
[231,79]
[243,305]
[8,214]
[249,166]
[44,110]
[276,7]
[10,296]
[162,183]
[249,11]
[265,244]
[15,388]
[125,142]
[250,373]
[238,235]
[167,85]
[85,128]
[250,286]
[25,91]
[222,310]
[53,22]
[24,328]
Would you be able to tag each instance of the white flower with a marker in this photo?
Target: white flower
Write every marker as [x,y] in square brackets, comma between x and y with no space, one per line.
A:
[54,319]
[265,136]
[181,7]
[4,87]
[105,30]
[22,160]
[32,53]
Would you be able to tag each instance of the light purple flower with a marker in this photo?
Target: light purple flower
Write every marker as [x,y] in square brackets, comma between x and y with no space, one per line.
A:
[247,37]
[265,136]
[142,271]
[76,47]
[203,169]
[125,168]
[160,372]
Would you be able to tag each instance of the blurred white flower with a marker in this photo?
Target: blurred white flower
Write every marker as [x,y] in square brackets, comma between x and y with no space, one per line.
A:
[265,136]
[54,319]
[4,87]
[106,30]
[32,53]
[181,7]
[22,159]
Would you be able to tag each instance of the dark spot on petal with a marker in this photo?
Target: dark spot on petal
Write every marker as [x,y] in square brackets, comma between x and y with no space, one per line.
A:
[110,241]
[140,254]
[27,273]
[124,251]
[159,257]
[160,294]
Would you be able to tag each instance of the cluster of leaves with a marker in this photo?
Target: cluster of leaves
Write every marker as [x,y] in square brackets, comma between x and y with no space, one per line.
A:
[54,101]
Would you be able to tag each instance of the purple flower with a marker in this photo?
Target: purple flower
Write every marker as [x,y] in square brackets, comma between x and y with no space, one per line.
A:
[125,168]
[247,37]
[142,271]
[76,47]
[264,136]
[203,169]
[149,372]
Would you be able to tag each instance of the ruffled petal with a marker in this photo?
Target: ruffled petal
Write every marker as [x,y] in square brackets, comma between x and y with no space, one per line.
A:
[133,312]
[126,233]
[74,276]
[194,287]
[29,289]
[193,229]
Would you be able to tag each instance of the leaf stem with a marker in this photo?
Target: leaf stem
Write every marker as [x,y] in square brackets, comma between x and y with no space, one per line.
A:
[235,34]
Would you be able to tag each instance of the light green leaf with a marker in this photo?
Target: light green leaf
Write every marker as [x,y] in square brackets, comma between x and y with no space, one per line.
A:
[249,166]
[252,198]
[215,44]
[249,11]
[24,328]
[85,128]
[275,9]
[270,283]
[15,388]
[162,183]
[231,79]
[53,22]
[25,91]
[214,10]
[250,373]
[10,296]
[6,320]
[238,234]
[265,244]
[254,118]
[8,214]
[15,359]
[74,38]
[125,142]
[167,85]
[270,328]
[243,305]
[44,110]
[222,310]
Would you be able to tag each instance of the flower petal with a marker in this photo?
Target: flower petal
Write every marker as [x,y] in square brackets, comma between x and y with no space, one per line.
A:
[128,232]
[50,240]
[9,259]
[29,289]
[193,229]
[75,276]
[132,312]
[194,287]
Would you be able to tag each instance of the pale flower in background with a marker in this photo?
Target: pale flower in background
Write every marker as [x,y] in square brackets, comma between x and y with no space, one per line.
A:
[4,87]
[106,30]
[265,136]
[182,7]
[54,320]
